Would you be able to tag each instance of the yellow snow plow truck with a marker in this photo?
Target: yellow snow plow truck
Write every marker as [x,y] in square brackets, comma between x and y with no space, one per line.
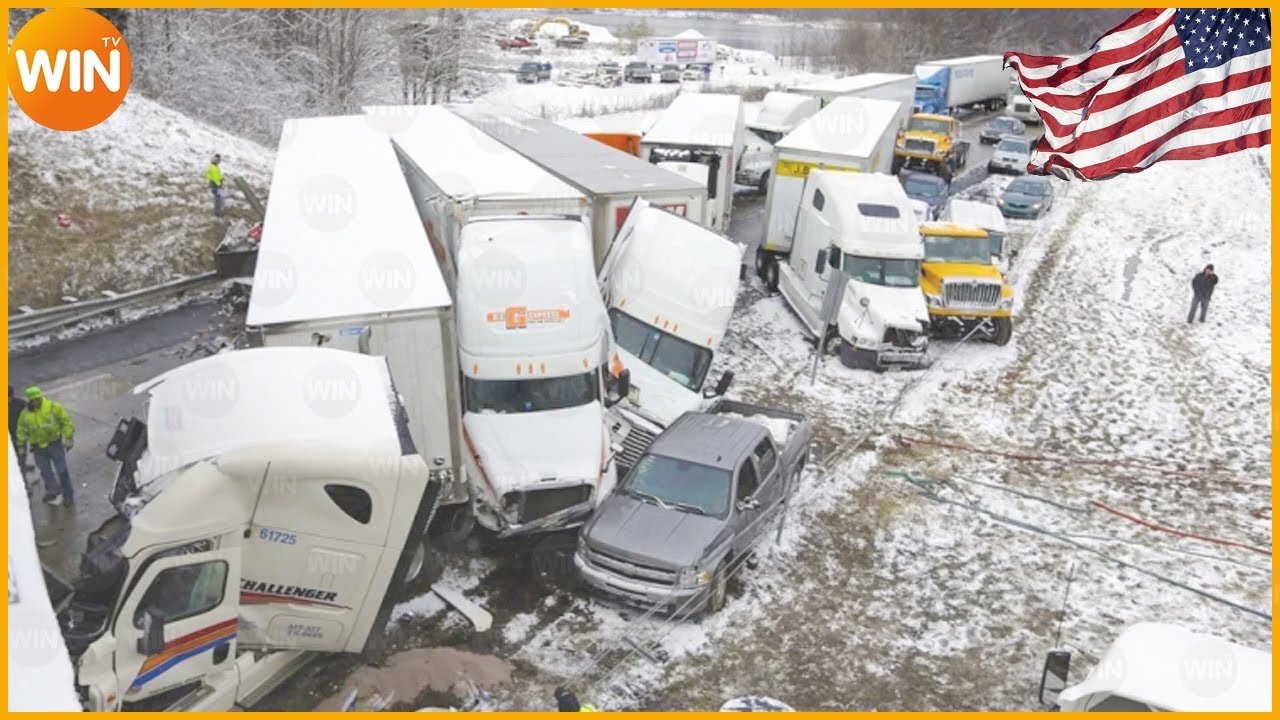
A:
[931,143]
[964,290]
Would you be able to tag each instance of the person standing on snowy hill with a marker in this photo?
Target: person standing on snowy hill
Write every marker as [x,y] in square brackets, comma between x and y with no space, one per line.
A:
[1201,290]
[214,176]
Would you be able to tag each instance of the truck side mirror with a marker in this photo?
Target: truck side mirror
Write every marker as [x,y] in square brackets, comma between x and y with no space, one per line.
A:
[833,258]
[820,263]
[1053,679]
[722,385]
[152,640]
[621,388]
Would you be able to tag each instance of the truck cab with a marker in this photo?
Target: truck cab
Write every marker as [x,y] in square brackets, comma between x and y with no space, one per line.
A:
[272,503]
[533,338]
[860,225]
[963,288]
[931,142]
[780,114]
[670,287]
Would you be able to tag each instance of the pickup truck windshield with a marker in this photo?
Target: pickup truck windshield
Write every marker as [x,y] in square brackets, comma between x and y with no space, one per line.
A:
[949,248]
[882,271]
[942,127]
[680,484]
[529,67]
[678,359]
[922,188]
[521,396]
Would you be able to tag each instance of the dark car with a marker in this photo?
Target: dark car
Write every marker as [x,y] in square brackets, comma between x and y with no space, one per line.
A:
[638,72]
[1026,197]
[928,191]
[999,127]
[532,72]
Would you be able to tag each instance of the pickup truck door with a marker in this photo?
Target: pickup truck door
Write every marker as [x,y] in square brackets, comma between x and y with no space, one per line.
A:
[747,507]
[196,596]
[769,489]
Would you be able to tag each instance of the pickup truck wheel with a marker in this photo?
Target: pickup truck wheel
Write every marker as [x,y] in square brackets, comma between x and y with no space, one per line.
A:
[1003,332]
[770,274]
[719,589]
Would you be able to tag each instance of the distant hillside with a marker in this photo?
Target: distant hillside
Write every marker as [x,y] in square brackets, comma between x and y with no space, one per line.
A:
[134,190]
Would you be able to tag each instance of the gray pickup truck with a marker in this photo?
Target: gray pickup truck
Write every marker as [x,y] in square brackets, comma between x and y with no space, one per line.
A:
[697,503]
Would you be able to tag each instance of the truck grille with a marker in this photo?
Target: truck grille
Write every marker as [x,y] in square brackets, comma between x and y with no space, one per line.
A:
[902,338]
[634,444]
[918,145]
[629,569]
[535,504]
[971,294]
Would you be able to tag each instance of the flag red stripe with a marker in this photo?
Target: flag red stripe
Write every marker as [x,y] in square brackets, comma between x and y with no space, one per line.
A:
[1128,159]
[1168,108]
[1076,101]
[1039,61]
[1103,171]
[1101,59]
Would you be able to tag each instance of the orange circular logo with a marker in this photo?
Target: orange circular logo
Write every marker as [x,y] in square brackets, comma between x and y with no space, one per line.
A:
[69,68]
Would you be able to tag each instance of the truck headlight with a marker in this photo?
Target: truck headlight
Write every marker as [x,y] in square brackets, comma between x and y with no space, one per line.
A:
[1006,303]
[693,577]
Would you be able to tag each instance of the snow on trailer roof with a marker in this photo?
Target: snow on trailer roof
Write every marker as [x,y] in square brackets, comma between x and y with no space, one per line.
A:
[1172,668]
[592,166]
[850,83]
[240,399]
[846,126]
[636,122]
[702,119]
[972,212]
[341,236]
[463,160]
[965,60]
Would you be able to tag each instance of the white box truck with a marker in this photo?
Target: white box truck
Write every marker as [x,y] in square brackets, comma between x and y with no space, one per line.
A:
[344,263]
[942,86]
[272,504]
[860,226]
[533,336]
[609,179]
[898,87]
[779,114]
[700,136]
[670,286]
[678,51]
[850,134]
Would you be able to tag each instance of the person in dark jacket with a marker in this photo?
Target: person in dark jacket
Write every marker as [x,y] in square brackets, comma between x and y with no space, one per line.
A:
[1201,290]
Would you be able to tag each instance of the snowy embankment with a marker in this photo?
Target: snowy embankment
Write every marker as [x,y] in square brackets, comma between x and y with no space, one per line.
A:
[918,576]
[134,193]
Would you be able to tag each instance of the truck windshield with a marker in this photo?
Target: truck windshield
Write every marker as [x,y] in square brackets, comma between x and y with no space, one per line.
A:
[529,67]
[674,357]
[931,126]
[951,248]
[521,396]
[770,136]
[883,271]
[680,484]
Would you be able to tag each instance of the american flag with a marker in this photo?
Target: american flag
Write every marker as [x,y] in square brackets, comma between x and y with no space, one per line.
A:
[1166,84]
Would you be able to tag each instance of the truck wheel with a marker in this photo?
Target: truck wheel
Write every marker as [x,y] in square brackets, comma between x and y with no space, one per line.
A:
[425,568]
[831,342]
[770,274]
[1004,331]
[763,186]
[896,166]
[719,589]
[452,526]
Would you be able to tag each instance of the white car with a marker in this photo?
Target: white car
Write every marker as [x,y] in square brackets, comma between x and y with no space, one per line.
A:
[1012,154]
[692,74]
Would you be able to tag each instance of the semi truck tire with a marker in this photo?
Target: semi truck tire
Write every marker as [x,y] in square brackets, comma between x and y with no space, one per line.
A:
[452,526]
[896,166]
[1003,332]
[425,568]
[763,185]
[769,274]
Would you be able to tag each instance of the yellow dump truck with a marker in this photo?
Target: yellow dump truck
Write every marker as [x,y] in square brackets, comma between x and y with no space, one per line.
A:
[931,143]
[963,289]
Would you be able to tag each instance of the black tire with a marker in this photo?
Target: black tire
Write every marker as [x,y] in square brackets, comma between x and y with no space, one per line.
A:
[770,276]
[896,166]
[425,568]
[831,342]
[1003,332]
[718,591]
[763,186]
[451,527]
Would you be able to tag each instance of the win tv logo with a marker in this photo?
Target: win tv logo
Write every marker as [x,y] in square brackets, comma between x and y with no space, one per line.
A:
[69,68]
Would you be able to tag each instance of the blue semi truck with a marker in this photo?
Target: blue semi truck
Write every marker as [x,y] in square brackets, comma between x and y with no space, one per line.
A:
[942,86]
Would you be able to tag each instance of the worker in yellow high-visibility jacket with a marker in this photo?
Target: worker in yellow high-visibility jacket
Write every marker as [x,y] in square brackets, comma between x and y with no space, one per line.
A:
[566,701]
[214,176]
[45,427]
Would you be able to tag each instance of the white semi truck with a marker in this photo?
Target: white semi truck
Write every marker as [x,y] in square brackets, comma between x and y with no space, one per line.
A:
[779,114]
[700,136]
[533,338]
[670,287]
[860,225]
[344,263]
[851,135]
[608,178]
[942,86]
[272,504]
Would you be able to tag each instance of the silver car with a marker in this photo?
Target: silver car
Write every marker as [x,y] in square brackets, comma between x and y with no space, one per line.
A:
[1012,154]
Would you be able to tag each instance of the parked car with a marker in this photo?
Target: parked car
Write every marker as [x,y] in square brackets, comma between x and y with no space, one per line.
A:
[515,43]
[928,194]
[1012,154]
[1026,197]
[691,74]
[638,72]
[608,74]
[999,127]
[694,507]
[571,41]
[532,72]
[669,73]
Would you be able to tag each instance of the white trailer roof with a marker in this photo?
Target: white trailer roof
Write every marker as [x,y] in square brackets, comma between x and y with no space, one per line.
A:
[341,237]
[965,60]
[699,119]
[780,109]
[850,126]
[462,159]
[636,122]
[590,165]
[849,84]
[246,398]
